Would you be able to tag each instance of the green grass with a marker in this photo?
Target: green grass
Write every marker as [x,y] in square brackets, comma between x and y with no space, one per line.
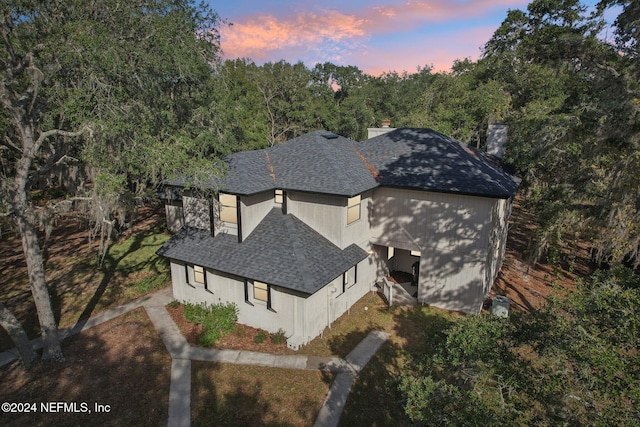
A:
[260,337]
[374,399]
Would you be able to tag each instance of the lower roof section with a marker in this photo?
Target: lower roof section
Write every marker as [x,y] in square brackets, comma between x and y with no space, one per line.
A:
[282,250]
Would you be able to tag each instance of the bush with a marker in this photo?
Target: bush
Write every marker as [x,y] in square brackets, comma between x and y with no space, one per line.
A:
[174,304]
[217,319]
[279,337]
[573,362]
[260,337]
[239,331]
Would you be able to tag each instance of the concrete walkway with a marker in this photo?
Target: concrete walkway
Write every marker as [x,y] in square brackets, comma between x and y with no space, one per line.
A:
[182,354]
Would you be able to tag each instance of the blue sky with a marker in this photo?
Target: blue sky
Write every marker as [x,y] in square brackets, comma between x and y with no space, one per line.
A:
[376,36]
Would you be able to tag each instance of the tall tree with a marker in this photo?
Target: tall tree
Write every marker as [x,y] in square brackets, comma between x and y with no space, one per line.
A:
[111,84]
[574,128]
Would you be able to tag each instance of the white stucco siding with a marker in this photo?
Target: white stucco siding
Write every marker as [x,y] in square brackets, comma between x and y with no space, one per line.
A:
[321,212]
[253,209]
[196,212]
[498,241]
[358,232]
[452,233]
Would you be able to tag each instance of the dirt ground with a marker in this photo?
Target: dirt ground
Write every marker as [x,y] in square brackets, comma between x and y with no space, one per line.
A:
[528,286]
[121,365]
[242,337]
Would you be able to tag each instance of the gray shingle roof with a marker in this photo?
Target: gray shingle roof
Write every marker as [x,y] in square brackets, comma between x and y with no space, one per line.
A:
[322,162]
[424,159]
[318,162]
[282,251]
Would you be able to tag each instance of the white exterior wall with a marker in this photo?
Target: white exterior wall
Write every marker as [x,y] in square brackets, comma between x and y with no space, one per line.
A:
[498,240]
[357,232]
[451,231]
[253,209]
[302,317]
[325,214]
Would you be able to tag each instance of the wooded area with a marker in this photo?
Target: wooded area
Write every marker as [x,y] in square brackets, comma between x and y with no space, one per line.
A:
[102,100]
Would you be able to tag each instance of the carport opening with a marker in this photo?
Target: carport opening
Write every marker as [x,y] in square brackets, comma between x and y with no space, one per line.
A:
[404,269]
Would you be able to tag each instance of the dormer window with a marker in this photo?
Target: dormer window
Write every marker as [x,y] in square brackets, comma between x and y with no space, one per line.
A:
[229,208]
[279,197]
[353,209]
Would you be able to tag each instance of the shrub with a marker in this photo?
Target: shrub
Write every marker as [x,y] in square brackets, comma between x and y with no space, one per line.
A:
[217,319]
[239,331]
[279,337]
[260,337]
[174,304]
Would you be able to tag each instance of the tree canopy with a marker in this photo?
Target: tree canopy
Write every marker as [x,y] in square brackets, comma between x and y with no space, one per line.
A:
[118,87]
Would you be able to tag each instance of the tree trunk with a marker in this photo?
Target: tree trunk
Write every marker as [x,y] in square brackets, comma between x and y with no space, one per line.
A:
[23,211]
[17,334]
[52,352]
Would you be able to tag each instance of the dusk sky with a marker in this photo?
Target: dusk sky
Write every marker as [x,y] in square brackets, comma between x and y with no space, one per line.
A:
[374,35]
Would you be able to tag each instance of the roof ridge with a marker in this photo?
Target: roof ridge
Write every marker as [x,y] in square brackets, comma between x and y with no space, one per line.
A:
[272,172]
[374,172]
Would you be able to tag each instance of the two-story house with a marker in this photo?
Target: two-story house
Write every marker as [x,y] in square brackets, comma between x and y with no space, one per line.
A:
[295,234]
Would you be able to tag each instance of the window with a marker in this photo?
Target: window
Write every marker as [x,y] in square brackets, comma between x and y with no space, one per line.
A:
[228,208]
[345,280]
[390,252]
[353,209]
[415,253]
[246,292]
[279,197]
[198,274]
[261,291]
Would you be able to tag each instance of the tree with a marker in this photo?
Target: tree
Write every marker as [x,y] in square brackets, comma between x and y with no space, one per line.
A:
[572,362]
[462,103]
[114,85]
[574,131]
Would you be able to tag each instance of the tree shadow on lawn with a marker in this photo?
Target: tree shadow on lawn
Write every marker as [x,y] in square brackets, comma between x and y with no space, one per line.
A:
[374,398]
[121,363]
[71,284]
[230,395]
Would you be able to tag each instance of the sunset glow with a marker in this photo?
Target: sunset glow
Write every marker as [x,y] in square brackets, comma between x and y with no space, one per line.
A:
[376,36]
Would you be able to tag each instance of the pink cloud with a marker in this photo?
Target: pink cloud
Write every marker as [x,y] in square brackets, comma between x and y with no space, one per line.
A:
[258,35]
[426,51]
[331,35]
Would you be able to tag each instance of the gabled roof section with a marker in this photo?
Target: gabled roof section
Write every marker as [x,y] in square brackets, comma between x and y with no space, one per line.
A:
[424,159]
[281,250]
[318,162]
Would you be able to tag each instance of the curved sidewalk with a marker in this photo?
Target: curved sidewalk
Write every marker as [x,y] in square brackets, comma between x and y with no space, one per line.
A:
[182,353]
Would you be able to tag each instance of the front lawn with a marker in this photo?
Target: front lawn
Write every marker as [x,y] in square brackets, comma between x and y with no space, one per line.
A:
[121,363]
[78,286]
